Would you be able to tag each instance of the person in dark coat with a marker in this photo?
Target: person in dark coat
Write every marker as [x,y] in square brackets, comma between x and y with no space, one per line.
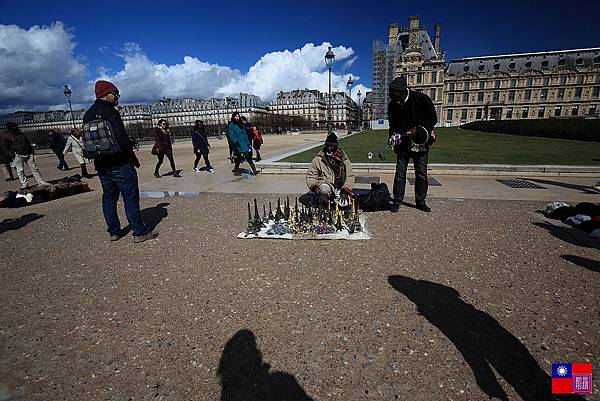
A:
[412,117]
[257,142]
[201,146]
[117,171]
[239,143]
[6,157]
[163,147]
[56,143]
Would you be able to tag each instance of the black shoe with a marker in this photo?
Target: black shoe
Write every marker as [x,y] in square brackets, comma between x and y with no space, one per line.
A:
[424,208]
[394,207]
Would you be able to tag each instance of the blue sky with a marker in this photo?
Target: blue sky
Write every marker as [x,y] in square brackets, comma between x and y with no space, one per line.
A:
[237,34]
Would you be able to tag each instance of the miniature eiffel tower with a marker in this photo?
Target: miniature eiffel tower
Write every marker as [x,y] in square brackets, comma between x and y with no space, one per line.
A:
[355,219]
[258,224]
[271,217]
[251,227]
[278,212]
[286,209]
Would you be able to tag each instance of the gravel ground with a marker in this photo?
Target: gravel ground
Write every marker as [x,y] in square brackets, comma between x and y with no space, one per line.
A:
[473,300]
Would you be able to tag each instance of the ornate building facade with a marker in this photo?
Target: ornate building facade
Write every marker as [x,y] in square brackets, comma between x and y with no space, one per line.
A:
[514,86]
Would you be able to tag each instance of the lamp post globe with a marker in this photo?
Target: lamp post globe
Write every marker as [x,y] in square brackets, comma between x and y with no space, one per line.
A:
[329,59]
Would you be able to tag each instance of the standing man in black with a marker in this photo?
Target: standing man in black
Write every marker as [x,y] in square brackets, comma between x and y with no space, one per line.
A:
[57,142]
[412,117]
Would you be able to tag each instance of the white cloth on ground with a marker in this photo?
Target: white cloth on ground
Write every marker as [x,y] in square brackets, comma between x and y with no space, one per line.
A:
[577,219]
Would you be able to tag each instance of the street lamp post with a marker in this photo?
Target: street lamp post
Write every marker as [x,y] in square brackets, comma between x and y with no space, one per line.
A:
[358,95]
[68,94]
[329,59]
[349,86]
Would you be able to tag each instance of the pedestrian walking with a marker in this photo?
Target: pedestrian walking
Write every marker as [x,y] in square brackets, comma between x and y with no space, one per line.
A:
[257,141]
[115,166]
[15,142]
[6,157]
[163,147]
[240,144]
[75,144]
[201,146]
[56,142]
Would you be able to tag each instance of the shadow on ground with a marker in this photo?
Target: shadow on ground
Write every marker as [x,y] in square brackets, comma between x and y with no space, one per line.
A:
[590,264]
[571,235]
[484,344]
[18,223]
[151,216]
[583,188]
[244,375]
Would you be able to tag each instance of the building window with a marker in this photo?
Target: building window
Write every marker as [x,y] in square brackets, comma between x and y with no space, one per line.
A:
[432,93]
[545,64]
[449,117]
[451,86]
[575,110]
[465,98]
[419,77]
[579,61]
[561,94]
[466,68]
[496,66]
[509,113]
[596,92]
[541,112]
[578,92]
[563,80]
[481,84]
[546,81]
[561,62]
[497,84]
[543,94]
[512,66]
[463,114]
[467,85]
[511,96]
[528,64]
[513,83]
[480,97]
[592,109]
[528,94]
[529,82]
[434,77]
[496,96]
[478,114]
[481,67]
[525,112]
[581,79]
[557,111]
[598,78]
[450,98]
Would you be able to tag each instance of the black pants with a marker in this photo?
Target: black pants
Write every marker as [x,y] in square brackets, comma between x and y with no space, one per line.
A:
[238,160]
[420,162]
[161,157]
[205,155]
[84,172]
[61,160]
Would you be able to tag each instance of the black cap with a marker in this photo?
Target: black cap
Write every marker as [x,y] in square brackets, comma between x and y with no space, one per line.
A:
[398,83]
[332,139]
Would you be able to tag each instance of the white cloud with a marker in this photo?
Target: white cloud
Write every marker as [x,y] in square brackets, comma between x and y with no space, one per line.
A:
[35,64]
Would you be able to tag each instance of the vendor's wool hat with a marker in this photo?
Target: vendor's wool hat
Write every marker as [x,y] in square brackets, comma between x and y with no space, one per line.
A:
[103,88]
[332,139]
[398,83]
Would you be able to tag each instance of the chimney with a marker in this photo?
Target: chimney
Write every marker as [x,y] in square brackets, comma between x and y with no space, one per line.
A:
[436,37]
[414,22]
[393,34]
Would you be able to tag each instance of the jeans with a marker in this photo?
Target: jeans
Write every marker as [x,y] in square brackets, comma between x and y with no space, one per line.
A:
[421,184]
[20,162]
[61,160]
[121,180]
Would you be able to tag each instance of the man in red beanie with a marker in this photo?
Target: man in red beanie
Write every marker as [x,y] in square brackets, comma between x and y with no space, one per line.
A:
[117,171]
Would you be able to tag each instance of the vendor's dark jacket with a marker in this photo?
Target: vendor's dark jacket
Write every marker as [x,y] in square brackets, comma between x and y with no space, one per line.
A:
[103,110]
[16,142]
[417,110]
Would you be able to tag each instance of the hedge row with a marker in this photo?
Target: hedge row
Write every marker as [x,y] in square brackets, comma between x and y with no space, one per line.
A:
[578,129]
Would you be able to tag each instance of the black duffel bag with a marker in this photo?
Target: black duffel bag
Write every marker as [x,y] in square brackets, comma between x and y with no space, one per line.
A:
[377,199]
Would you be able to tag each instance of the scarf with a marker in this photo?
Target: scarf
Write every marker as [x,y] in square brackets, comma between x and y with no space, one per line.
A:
[336,162]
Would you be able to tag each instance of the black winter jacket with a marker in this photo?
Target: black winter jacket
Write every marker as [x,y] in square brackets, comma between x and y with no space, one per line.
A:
[417,110]
[16,142]
[106,111]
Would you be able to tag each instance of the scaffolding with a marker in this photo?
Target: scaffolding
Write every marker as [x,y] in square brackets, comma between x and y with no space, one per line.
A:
[385,58]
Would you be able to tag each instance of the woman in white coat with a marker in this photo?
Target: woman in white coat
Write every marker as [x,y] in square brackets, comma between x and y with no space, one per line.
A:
[75,144]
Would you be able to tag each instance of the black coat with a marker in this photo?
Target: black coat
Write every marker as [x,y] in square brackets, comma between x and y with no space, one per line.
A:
[417,110]
[106,111]
[56,142]
[200,140]
[16,142]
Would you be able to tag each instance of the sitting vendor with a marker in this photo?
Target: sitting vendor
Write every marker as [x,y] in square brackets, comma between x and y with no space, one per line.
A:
[330,171]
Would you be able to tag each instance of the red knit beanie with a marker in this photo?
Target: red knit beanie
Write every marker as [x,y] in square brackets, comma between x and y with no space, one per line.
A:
[103,88]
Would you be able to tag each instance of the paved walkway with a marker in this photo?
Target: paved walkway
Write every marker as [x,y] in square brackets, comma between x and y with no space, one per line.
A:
[569,189]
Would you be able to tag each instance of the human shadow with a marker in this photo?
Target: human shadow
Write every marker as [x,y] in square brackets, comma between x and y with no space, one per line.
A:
[151,216]
[569,234]
[18,223]
[590,264]
[583,188]
[245,376]
[482,341]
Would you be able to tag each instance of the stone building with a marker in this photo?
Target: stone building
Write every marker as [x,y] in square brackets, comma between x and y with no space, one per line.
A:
[514,86]
[308,104]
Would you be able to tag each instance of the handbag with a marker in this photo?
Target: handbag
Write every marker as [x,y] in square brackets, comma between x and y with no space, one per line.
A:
[154,150]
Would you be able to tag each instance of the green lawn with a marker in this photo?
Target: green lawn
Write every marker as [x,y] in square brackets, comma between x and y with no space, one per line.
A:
[473,147]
